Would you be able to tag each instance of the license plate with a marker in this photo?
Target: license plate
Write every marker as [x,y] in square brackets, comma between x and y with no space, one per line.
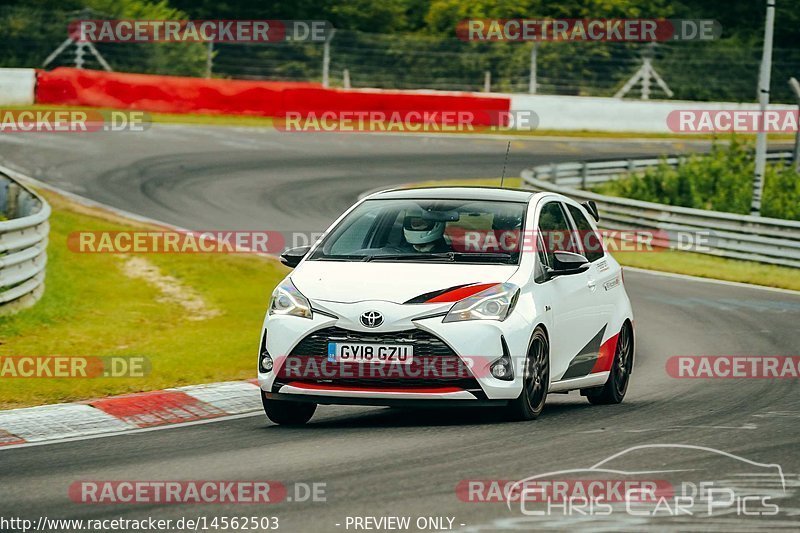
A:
[341,352]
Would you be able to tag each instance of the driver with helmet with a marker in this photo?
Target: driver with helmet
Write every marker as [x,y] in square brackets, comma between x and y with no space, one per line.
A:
[423,234]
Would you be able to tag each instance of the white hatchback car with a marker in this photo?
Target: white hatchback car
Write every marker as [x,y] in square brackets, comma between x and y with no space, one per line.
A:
[448,296]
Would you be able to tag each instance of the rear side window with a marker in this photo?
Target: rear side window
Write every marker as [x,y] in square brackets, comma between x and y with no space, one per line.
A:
[555,231]
[592,245]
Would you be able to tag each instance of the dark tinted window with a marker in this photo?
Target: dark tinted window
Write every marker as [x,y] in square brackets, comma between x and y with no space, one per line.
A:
[592,245]
[555,231]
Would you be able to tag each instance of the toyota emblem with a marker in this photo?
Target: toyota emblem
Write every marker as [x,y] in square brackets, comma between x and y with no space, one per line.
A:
[371,319]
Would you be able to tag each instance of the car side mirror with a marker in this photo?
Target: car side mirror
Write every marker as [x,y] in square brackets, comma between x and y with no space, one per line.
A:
[292,257]
[567,263]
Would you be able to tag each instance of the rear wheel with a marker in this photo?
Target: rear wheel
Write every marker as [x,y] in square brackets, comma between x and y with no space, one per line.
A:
[536,380]
[617,385]
[288,413]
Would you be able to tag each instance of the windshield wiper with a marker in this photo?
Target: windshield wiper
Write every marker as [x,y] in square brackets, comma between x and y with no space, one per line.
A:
[448,256]
[494,256]
[420,256]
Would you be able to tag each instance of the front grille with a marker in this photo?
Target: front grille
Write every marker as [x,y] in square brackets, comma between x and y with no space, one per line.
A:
[424,343]
[434,364]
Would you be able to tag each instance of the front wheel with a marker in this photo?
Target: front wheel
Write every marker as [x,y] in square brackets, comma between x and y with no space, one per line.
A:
[536,380]
[617,385]
[288,413]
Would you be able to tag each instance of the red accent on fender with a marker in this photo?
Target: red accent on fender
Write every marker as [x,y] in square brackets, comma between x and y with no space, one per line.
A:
[606,356]
[351,388]
[459,294]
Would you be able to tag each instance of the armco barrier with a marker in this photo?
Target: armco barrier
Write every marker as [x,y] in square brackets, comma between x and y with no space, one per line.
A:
[174,94]
[17,86]
[765,240]
[165,94]
[576,113]
[23,245]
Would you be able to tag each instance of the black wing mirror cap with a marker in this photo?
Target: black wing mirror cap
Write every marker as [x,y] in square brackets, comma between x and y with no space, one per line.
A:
[292,257]
[591,207]
[567,263]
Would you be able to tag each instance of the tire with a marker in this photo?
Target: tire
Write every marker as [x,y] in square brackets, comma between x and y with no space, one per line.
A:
[287,413]
[530,403]
[614,390]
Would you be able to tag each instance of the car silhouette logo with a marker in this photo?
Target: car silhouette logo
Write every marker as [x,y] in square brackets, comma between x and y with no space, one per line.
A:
[371,319]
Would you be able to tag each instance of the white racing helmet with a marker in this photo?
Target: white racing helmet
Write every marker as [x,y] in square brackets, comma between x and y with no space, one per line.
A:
[420,230]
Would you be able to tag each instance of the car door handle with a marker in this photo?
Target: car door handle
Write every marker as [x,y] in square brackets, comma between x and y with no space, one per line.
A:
[592,284]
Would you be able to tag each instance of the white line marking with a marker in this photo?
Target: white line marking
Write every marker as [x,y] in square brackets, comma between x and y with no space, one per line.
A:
[132,431]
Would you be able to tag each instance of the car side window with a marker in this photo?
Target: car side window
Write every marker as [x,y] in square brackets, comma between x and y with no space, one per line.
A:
[592,244]
[555,231]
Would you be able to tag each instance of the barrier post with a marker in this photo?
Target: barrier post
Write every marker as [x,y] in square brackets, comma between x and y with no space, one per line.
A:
[326,59]
[763,102]
[793,83]
[532,82]
[584,174]
[209,58]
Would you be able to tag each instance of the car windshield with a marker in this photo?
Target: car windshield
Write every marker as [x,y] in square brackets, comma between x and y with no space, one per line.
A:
[459,231]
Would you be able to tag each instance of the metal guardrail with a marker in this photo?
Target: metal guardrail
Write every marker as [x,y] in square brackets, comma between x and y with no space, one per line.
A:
[765,240]
[24,229]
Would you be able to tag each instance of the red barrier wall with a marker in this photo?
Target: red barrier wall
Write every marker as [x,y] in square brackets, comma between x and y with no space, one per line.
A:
[173,94]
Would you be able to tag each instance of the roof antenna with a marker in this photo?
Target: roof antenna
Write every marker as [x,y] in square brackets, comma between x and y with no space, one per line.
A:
[503,177]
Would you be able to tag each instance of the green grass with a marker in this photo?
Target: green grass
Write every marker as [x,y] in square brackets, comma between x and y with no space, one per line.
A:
[709,266]
[267,122]
[678,262]
[91,308]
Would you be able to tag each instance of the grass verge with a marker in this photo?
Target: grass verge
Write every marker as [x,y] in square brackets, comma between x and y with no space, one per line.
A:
[91,307]
[267,122]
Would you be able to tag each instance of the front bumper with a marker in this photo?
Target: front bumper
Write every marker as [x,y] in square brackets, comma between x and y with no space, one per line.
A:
[459,353]
[330,398]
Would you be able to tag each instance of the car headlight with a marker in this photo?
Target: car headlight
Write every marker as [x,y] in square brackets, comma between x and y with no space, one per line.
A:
[287,300]
[494,303]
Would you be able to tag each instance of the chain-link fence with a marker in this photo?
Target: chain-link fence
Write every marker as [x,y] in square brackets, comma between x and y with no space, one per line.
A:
[718,70]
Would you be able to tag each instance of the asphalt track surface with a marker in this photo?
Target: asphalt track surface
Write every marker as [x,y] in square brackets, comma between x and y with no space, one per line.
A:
[377,461]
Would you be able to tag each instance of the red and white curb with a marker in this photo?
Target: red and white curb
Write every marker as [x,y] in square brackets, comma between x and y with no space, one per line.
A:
[128,412]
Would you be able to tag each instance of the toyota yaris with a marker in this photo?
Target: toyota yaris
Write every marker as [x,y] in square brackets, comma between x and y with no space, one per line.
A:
[448,296]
